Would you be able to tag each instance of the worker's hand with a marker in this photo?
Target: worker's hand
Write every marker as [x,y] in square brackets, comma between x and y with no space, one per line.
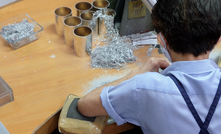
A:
[152,65]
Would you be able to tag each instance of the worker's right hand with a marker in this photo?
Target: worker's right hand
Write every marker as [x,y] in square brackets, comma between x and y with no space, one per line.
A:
[152,65]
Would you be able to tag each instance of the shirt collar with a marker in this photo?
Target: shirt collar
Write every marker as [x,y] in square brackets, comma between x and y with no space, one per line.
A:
[192,67]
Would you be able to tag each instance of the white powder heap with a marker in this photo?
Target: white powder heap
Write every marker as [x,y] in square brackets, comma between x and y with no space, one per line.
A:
[101,80]
[52,56]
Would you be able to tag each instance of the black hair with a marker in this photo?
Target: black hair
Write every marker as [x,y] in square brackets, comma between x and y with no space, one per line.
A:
[190,26]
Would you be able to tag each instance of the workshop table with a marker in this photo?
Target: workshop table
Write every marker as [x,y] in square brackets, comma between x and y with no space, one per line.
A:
[43,73]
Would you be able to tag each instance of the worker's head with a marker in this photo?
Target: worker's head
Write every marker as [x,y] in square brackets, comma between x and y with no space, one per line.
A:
[189,26]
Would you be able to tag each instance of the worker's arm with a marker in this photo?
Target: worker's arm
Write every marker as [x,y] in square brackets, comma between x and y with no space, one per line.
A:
[90,105]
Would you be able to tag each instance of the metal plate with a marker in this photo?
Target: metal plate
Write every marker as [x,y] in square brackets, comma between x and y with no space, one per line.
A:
[149,4]
[136,9]
[6,2]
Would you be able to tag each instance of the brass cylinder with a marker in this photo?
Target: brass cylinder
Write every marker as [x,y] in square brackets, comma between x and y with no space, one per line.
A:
[70,24]
[110,12]
[60,14]
[87,18]
[83,6]
[82,41]
[102,26]
[100,5]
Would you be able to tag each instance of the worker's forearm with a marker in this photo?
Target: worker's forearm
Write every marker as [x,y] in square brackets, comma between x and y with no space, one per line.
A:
[90,105]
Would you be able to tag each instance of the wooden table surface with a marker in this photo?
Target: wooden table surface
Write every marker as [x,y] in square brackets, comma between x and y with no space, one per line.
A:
[41,82]
[43,73]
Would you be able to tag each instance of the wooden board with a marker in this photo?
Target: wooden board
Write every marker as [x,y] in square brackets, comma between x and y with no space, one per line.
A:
[49,125]
[43,73]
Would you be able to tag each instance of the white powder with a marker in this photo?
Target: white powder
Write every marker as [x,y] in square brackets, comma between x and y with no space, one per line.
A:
[101,80]
[52,56]
[23,58]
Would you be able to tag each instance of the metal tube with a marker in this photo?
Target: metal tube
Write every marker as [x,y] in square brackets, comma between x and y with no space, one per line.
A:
[60,14]
[100,5]
[102,26]
[87,18]
[82,41]
[83,6]
[70,24]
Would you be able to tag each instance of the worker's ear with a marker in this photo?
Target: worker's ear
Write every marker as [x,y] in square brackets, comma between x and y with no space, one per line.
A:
[218,41]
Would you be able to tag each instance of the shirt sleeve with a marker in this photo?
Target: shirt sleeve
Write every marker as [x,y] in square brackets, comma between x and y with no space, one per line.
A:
[121,103]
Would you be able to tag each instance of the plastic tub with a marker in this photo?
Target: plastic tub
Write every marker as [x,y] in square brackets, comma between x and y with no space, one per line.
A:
[25,39]
[6,93]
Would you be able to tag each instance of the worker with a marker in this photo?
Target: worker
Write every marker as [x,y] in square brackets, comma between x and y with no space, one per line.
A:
[185,97]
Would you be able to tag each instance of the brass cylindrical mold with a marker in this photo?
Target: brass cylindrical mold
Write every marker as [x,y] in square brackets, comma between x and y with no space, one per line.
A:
[60,14]
[83,6]
[102,26]
[87,18]
[100,5]
[110,12]
[70,24]
[82,41]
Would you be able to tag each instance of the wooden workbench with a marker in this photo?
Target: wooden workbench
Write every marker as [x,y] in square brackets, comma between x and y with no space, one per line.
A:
[43,73]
